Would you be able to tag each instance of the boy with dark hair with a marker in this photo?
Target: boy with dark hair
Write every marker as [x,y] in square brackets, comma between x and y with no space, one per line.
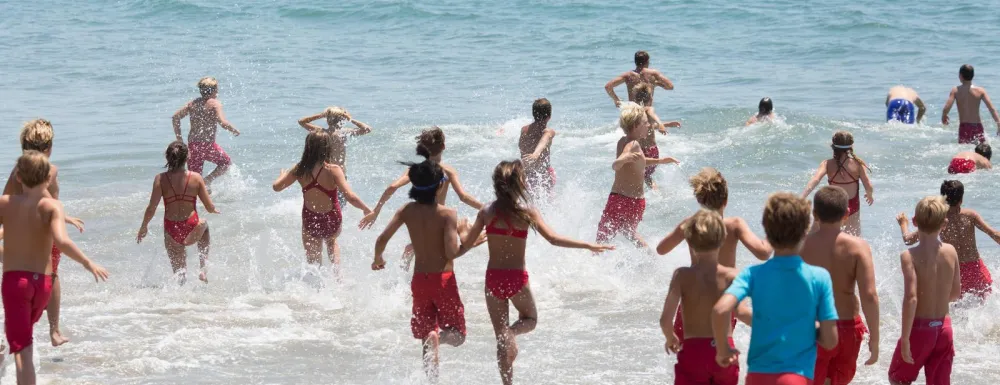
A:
[966,162]
[206,114]
[535,144]
[642,74]
[968,96]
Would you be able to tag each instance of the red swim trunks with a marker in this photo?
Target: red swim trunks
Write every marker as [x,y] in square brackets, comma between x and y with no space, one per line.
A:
[971,133]
[201,152]
[840,364]
[652,152]
[932,348]
[777,379]
[961,166]
[621,215]
[56,255]
[179,230]
[436,304]
[505,283]
[696,364]
[976,278]
[679,323]
[25,296]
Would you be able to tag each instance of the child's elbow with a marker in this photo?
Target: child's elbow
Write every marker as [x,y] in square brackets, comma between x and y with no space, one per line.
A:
[828,341]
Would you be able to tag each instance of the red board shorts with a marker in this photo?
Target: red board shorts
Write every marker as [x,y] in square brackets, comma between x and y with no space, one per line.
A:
[436,304]
[961,166]
[621,215]
[971,133]
[932,348]
[201,152]
[976,278]
[840,364]
[696,364]
[25,296]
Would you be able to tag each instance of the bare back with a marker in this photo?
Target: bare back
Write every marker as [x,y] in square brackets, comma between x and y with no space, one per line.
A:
[506,252]
[316,199]
[981,162]
[28,220]
[426,225]
[960,232]
[528,142]
[902,92]
[204,119]
[179,189]
[968,97]
[338,149]
[701,286]
[936,268]
[629,179]
[837,252]
[846,173]
[644,76]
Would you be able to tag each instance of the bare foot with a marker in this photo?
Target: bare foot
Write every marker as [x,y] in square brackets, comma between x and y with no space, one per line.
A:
[57,338]
[203,276]
[196,233]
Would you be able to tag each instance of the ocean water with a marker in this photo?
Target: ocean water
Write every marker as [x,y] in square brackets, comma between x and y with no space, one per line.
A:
[110,74]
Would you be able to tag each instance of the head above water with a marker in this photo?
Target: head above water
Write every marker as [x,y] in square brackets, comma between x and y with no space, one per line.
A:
[177,155]
[335,115]
[426,179]
[631,116]
[316,151]
[37,135]
[643,94]
[966,72]
[710,189]
[641,59]
[208,86]
[930,214]
[541,110]
[830,204]
[430,142]
[510,190]
[786,220]
[705,231]
[985,150]
[953,192]
[33,169]
[765,107]
[843,146]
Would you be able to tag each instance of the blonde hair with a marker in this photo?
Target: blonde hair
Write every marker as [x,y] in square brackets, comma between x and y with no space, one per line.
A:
[786,219]
[930,214]
[33,168]
[37,135]
[710,188]
[705,231]
[335,111]
[208,85]
[630,116]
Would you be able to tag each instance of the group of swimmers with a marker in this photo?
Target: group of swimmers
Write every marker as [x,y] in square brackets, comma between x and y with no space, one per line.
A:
[810,279]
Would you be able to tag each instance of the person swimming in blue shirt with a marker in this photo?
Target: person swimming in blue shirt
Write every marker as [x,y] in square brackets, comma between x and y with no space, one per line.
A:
[789,298]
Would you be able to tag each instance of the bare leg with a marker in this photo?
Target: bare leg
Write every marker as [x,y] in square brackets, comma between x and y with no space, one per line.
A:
[23,361]
[219,171]
[196,234]
[333,249]
[53,313]
[204,244]
[314,249]
[177,255]
[506,343]
[431,356]
[527,314]
[637,240]
[853,225]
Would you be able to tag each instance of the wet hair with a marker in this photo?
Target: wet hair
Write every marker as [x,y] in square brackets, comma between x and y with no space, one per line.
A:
[430,142]
[316,151]
[786,219]
[967,72]
[630,116]
[843,145]
[510,190]
[830,204]
[208,86]
[177,155]
[541,109]
[765,107]
[985,150]
[710,188]
[37,135]
[33,168]
[641,59]
[425,179]
[953,192]
[643,94]
[930,214]
[705,230]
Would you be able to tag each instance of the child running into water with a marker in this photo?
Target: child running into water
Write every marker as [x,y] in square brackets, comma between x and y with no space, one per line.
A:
[698,287]
[968,96]
[34,223]
[765,112]
[430,145]
[960,232]
[789,297]
[506,222]
[37,135]
[627,202]
[848,259]
[180,190]
[335,118]
[966,162]
[206,113]
[930,282]
[535,145]
[438,313]
[847,170]
[644,97]
[320,181]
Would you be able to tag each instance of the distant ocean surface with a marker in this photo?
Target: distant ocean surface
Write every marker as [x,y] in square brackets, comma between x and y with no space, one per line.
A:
[110,74]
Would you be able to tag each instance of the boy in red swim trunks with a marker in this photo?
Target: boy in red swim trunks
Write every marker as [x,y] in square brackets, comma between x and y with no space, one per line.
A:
[535,145]
[644,97]
[627,201]
[966,162]
[930,282]
[848,259]
[206,113]
[960,232]
[37,135]
[438,313]
[34,222]
[968,96]
[698,288]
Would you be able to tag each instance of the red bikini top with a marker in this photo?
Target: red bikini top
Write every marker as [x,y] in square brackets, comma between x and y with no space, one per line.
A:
[315,184]
[182,197]
[510,231]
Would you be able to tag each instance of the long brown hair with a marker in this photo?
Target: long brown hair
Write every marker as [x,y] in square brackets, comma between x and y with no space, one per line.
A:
[843,145]
[510,190]
[430,142]
[177,155]
[317,151]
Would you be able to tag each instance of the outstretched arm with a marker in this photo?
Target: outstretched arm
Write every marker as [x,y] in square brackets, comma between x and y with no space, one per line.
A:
[662,81]
[464,196]
[947,106]
[758,247]
[543,143]
[306,122]
[383,239]
[61,240]
[561,241]
[672,240]
[222,119]
[993,111]
[626,156]
[361,129]
[817,176]
[985,228]
[473,237]
[921,109]
[285,179]
[869,189]
[206,199]
[904,227]
[154,200]
[610,89]
[369,219]
[345,188]
[180,114]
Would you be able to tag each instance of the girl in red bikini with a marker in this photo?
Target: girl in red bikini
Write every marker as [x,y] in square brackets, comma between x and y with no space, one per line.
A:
[180,190]
[506,222]
[848,171]
[320,181]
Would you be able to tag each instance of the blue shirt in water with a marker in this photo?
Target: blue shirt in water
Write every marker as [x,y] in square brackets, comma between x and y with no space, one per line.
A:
[788,296]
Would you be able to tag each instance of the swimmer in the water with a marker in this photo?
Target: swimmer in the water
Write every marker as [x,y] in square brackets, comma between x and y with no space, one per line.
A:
[968,161]
[900,103]
[642,74]
[335,118]
[535,145]
[845,169]
[644,97]
[206,114]
[765,112]
[968,96]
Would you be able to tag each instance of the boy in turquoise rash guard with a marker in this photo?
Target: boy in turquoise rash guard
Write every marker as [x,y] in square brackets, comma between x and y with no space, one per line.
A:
[788,296]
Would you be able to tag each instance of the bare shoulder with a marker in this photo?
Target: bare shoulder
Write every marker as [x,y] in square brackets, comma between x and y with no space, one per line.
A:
[549,132]
[448,212]
[728,273]
[333,168]
[734,224]
[49,205]
[524,130]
